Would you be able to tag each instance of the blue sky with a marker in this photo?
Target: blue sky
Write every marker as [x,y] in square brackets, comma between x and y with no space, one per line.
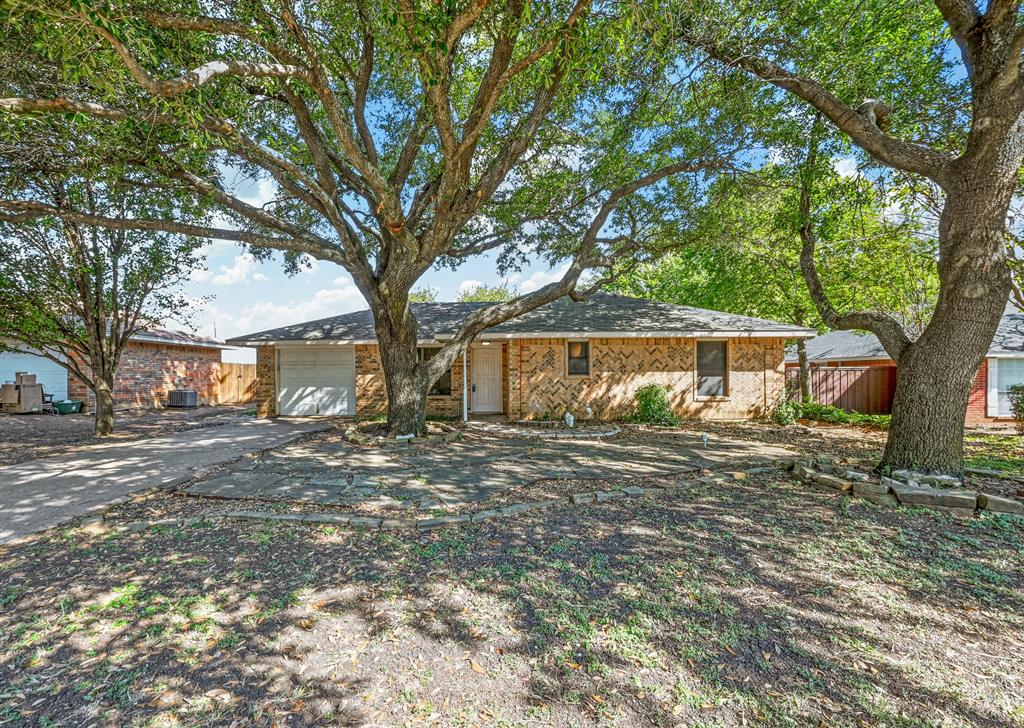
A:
[244,295]
[249,296]
[236,295]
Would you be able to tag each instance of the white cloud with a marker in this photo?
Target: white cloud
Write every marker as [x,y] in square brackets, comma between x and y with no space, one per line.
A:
[325,302]
[260,277]
[776,155]
[237,272]
[266,190]
[845,167]
[469,284]
[269,315]
[539,279]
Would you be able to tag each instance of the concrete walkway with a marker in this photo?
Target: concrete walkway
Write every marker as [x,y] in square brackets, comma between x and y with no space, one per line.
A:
[43,493]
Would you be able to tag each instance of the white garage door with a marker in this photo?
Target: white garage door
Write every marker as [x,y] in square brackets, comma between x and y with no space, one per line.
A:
[316,380]
[51,375]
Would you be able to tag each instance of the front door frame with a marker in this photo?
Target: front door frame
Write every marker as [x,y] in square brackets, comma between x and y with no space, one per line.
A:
[493,351]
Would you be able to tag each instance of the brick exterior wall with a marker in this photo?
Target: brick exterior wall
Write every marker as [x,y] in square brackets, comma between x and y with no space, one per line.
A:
[147,371]
[266,381]
[371,390]
[535,382]
[977,403]
[540,387]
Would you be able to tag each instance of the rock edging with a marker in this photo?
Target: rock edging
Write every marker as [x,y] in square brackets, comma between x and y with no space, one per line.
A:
[904,488]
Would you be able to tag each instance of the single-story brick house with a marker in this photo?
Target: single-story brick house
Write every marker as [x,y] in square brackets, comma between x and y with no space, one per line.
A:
[1003,366]
[154,362]
[588,357]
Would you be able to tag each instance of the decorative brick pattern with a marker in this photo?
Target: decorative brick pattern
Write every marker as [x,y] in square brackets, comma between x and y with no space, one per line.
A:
[147,371]
[536,384]
[539,385]
[266,381]
[371,391]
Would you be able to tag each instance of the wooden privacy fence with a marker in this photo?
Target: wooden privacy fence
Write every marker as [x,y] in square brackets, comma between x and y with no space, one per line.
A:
[867,390]
[237,383]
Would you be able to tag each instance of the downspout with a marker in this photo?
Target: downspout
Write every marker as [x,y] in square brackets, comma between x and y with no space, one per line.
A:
[465,398]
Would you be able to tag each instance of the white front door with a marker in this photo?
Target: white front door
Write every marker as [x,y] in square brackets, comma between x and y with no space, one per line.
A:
[316,380]
[486,371]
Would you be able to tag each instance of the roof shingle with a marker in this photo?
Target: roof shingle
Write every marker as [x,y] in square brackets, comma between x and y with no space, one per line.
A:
[598,314]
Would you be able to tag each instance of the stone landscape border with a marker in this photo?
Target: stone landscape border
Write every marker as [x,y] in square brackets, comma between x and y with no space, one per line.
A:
[888,492]
[904,488]
[382,523]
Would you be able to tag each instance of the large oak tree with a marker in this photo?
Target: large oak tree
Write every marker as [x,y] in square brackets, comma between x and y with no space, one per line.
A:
[400,134]
[929,91]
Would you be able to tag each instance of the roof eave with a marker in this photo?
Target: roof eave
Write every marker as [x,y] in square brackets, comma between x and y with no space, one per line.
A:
[505,336]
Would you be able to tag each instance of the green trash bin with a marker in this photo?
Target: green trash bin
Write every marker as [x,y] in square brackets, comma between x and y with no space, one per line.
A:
[68,406]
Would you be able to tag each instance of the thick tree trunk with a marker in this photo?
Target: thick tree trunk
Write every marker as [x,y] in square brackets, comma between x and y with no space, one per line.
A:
[104,392]
[805,370]
[406,386]
[936,372]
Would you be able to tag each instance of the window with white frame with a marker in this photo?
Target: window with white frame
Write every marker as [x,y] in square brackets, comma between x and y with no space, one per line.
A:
[1009,372]
[712,369]
[442,386]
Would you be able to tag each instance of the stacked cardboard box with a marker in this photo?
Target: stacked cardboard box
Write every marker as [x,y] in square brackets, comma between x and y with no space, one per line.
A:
[24,395]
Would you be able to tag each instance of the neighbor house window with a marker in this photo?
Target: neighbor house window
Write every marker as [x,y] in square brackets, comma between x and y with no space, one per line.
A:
[443,385]
[712,368]
[1010,372]
[579,357]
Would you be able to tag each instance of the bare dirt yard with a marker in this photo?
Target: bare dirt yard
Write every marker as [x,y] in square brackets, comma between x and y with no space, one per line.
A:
[33,436]
[745,602]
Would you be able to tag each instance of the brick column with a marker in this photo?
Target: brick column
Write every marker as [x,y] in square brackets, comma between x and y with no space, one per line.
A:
[513,381]
[266,381]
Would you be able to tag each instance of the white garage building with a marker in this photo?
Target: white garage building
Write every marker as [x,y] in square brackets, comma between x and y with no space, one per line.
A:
[50,374]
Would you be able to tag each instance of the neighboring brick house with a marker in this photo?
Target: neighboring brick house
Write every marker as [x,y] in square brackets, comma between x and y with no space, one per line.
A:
[587,357]
[988,403]
[154,362]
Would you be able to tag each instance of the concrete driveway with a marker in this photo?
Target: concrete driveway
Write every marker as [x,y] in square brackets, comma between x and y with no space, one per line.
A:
[43,493]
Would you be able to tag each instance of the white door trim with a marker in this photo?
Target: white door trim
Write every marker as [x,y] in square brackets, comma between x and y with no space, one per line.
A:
[486,375]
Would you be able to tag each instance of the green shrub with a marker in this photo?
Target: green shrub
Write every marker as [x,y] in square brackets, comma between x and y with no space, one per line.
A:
[653,406]
[1016,395]
[786,412]
[828,413]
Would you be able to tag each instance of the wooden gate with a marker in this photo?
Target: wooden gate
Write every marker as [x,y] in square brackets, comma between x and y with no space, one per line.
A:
[237,383]
[867,390]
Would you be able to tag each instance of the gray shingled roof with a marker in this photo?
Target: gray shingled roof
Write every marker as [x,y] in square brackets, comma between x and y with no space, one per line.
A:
[600,313]
[1009,337]
[178,338]
[839,345]
[845,345]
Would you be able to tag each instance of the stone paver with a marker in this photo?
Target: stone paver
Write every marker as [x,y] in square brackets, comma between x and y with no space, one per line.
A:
[42,493]
[472,469]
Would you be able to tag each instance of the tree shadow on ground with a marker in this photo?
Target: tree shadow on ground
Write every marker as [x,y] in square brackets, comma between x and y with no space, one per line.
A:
[752,603]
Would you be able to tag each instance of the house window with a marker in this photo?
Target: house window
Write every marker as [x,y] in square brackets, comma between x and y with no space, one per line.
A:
[442,386]
[1009,373]
[579,357]
[712,368]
